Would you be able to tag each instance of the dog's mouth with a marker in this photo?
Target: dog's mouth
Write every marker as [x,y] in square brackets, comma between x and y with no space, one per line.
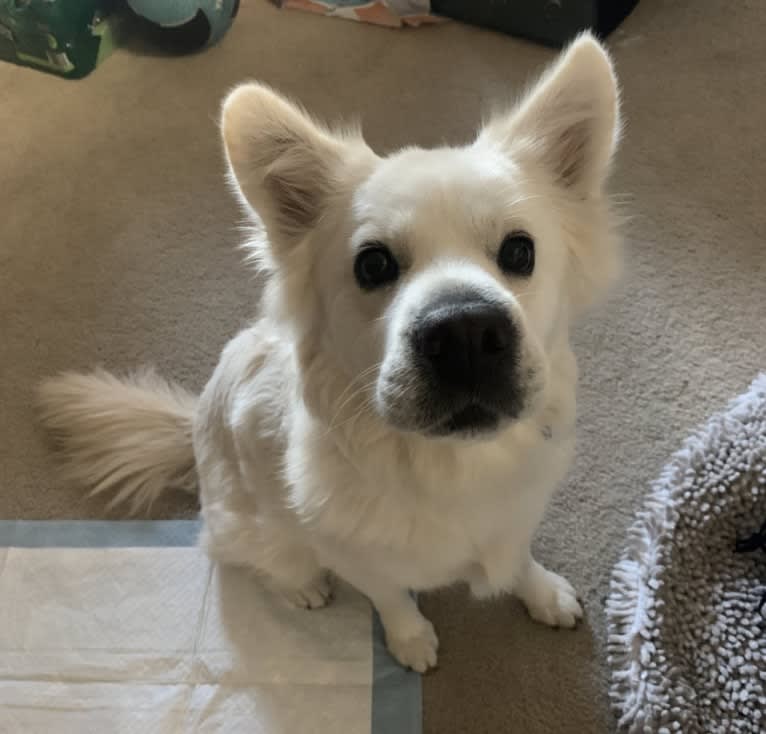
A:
[469,421]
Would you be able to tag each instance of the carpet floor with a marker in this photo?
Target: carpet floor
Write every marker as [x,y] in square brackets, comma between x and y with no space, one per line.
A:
[118,247]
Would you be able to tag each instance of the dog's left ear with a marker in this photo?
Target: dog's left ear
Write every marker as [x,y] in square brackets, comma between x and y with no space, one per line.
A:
[284,164]
[569,120]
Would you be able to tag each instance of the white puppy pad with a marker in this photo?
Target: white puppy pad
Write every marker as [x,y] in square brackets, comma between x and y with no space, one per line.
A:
[157,639]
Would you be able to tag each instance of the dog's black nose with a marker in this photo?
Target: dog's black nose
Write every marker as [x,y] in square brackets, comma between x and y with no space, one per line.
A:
[467,345]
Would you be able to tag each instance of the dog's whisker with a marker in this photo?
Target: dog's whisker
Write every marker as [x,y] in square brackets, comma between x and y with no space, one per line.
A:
[365,406]
[364,388]
[524,199]
[364,373]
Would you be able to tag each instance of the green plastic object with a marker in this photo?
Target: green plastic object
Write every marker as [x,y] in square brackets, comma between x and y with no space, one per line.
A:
[65,37]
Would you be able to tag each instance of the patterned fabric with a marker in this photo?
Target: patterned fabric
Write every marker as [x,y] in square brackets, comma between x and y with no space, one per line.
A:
[391,13]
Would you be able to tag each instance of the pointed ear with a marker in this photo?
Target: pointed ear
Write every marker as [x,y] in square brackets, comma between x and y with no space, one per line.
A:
[569,119]
[282,163]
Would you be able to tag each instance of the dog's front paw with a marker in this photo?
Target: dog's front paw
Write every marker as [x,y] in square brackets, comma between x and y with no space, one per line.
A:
[314,595]
[416,651]
[550,599]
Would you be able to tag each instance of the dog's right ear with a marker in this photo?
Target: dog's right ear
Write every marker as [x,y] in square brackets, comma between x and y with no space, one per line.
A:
[283,164]
[570,120]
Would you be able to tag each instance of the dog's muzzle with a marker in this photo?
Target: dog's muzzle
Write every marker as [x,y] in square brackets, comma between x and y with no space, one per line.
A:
[468,354]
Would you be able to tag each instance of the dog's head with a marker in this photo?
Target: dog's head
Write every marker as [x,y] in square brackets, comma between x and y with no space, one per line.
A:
[438,284]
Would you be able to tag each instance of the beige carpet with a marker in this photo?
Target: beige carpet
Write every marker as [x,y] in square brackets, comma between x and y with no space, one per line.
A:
[117,247]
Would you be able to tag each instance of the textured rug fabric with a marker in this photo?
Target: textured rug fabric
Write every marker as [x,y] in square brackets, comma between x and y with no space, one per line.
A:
[687,634]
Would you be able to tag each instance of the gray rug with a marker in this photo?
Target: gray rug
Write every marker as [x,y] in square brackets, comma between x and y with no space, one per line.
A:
[687,641]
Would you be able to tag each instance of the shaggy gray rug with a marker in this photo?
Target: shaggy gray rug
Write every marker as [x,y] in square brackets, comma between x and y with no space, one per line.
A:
[687,637]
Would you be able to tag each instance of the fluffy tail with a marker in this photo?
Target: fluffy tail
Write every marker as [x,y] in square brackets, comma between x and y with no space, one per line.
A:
[131,437]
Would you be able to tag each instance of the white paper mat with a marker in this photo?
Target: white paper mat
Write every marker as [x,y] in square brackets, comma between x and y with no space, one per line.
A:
[127,627]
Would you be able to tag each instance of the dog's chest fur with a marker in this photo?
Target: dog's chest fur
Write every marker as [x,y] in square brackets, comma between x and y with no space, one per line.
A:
[429,513]
[425,512]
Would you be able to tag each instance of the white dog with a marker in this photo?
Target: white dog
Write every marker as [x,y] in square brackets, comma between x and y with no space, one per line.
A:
[404,407]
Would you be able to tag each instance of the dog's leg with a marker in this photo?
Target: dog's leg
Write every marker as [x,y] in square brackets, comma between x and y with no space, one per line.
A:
[410,637]
[269,550]
[548,597]
[293,571]
[508,566]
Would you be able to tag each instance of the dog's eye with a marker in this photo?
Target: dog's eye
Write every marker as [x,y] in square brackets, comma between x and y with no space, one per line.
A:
[517,254]
[375,266]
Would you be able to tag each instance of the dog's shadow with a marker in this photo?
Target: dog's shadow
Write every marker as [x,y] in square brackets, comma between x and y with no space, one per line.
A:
[257,622]
[283,665]
[496,664]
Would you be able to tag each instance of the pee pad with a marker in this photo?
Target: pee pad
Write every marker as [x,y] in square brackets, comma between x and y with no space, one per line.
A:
[128,627]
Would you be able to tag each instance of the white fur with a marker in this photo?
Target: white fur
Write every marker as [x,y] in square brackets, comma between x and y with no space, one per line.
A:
[301,467]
